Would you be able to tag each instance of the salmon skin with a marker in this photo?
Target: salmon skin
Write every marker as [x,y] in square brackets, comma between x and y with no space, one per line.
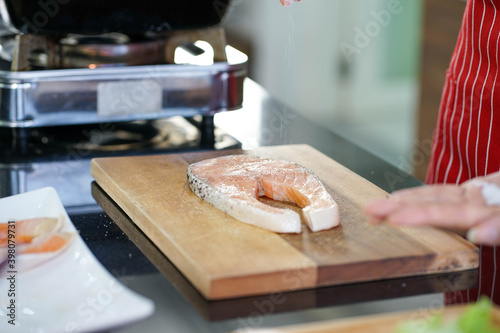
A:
[234,183]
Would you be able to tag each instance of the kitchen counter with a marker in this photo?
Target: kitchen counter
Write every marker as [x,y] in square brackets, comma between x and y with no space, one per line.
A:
[130,257]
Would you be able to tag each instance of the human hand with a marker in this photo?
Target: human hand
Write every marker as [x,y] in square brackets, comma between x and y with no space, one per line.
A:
[460,208]
[287,3]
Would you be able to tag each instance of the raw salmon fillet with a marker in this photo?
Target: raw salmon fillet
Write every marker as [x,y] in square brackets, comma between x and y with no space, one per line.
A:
[234,183]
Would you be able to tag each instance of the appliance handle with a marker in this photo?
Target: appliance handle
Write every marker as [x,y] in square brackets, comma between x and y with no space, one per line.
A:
[6,27]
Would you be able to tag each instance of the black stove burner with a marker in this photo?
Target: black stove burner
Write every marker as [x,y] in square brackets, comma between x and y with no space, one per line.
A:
[111,139]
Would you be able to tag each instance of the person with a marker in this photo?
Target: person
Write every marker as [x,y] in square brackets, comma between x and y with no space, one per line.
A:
[466,142]
[463,178]
[463,191]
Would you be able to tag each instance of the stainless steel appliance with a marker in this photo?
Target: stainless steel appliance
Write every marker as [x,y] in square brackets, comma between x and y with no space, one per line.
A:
[86,78]
[81,62]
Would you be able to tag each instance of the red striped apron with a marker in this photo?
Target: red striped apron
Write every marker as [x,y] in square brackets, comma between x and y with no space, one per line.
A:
[467,136]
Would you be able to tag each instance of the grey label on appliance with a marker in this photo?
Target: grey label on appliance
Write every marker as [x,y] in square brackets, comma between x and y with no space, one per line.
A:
[128,97]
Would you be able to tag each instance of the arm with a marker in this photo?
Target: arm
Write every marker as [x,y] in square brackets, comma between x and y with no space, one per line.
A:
[470,208]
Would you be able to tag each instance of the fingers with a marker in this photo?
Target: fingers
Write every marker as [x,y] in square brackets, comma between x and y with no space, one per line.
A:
[482,222]
[459,208]
[424,202]
[449,216]
[486,233]
[379,210]
[420,196]
[287,3]
[433,193]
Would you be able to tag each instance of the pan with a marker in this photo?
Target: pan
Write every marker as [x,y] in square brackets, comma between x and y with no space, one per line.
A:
[53,17]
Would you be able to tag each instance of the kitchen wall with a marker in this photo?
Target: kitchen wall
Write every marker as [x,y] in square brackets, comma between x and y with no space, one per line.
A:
[351,65]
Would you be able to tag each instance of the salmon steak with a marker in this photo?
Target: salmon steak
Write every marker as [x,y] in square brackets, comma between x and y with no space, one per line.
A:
[234,184]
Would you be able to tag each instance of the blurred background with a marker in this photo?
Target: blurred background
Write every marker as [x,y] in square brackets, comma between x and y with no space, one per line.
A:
[356,67]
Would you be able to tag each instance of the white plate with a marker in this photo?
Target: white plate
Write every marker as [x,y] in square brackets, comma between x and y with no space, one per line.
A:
[70,292]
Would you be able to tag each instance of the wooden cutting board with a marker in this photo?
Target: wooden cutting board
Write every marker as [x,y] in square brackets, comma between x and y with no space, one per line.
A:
[385,323]
[217,310]
[225,258]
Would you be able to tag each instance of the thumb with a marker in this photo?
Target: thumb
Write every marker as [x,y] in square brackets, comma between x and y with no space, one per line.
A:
[486,233]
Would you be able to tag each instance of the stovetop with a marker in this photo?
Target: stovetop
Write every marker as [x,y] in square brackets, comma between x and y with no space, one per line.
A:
[60,143]
[60,156]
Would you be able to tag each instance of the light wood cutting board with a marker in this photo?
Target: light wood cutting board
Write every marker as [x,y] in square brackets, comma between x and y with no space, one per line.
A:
[225,258]
[385,323]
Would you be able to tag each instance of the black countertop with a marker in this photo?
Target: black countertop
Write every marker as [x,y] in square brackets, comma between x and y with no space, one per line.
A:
[130,257]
